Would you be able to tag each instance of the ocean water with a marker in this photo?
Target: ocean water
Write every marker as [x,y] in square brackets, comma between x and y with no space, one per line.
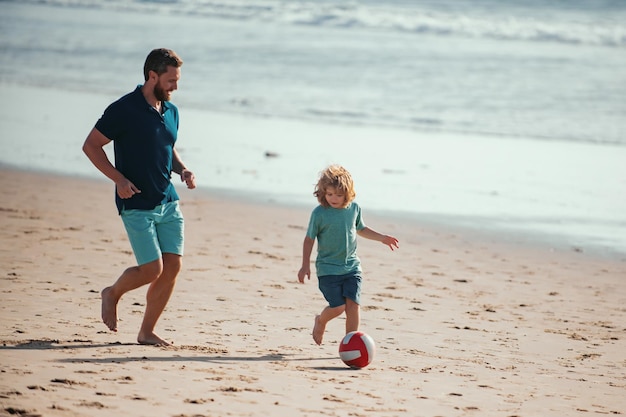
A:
[507,115]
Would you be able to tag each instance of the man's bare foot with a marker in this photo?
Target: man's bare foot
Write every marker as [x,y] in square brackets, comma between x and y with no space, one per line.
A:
[152,339]
[318,330]
[109,309]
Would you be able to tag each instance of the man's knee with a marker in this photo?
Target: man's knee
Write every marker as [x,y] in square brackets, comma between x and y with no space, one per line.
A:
[151,270]
[172,264]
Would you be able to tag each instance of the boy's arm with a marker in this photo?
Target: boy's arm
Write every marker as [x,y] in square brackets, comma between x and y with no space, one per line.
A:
[307,248]
[368,233]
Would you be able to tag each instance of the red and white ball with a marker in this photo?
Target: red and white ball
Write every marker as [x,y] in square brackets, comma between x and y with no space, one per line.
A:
[357,350]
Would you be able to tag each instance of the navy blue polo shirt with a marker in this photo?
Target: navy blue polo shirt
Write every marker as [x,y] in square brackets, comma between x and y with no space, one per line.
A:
[143,142]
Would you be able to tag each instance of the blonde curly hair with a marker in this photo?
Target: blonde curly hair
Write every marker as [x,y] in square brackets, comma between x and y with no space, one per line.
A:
[337,177]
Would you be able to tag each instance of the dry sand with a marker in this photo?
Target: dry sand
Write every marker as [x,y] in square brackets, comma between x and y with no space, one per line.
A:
[464,326]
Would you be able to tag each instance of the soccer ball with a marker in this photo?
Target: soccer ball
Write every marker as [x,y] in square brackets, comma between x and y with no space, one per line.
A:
[357,350]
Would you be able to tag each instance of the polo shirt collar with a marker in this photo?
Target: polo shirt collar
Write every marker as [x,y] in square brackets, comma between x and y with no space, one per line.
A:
[165,104]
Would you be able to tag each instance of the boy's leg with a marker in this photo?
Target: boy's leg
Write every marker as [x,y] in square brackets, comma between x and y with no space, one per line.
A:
[322,319]
[157,298]
[352,294]
[353,316]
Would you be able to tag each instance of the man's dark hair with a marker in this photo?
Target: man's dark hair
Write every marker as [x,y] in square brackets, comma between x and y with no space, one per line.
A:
[159,59]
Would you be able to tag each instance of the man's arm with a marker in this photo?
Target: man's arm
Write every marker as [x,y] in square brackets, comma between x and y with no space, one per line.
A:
[179,168]
[93,148]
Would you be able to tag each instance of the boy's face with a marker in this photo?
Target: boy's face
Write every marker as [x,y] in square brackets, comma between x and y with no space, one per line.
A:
[335,198]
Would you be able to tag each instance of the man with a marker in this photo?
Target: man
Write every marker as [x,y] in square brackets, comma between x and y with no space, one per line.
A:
[143,126]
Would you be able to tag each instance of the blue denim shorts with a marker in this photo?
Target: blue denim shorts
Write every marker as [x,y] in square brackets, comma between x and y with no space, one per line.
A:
[336,288]
[154,232]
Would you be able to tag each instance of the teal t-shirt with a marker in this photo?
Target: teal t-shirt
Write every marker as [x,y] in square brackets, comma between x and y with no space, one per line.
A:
[336,234]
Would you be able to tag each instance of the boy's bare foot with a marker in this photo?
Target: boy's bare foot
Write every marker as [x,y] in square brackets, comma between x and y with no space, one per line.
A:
[109,309]
[152,339]
[318,330]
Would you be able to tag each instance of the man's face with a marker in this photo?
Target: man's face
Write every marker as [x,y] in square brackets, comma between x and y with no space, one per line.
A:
[167,83]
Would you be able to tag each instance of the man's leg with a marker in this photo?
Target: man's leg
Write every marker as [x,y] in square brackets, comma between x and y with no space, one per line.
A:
[158,295]
[132,278]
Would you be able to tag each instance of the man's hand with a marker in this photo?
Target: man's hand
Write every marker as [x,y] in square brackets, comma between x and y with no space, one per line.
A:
[187,177]
[126,189]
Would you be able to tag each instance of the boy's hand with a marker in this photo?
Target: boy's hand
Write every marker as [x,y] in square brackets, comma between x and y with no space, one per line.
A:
[391,242]
[304,272]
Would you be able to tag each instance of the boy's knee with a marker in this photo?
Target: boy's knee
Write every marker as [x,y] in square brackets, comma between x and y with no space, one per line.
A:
[351,304]
[338,310]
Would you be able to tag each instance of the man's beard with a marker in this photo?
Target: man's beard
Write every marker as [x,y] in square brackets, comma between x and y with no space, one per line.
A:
[161,94]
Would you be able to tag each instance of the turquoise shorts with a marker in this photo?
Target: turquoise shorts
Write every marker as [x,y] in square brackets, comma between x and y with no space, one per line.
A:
[154,232]
[336,288]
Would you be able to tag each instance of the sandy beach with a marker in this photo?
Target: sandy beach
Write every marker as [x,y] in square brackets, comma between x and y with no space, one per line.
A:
[464,325]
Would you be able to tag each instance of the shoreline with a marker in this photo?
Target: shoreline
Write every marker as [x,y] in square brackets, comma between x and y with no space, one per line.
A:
[488,233]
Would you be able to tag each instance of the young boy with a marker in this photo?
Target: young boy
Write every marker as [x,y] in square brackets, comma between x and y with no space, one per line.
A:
[335,223]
